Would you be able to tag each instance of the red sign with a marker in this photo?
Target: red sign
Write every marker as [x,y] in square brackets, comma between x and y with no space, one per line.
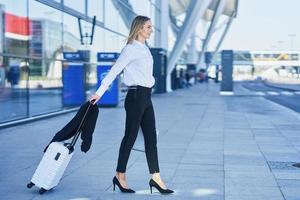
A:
[17,27]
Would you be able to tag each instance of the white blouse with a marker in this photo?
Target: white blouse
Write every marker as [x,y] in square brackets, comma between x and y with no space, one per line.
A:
[137,62]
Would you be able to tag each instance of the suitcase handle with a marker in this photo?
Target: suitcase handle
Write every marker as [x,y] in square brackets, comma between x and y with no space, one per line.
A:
[78,132]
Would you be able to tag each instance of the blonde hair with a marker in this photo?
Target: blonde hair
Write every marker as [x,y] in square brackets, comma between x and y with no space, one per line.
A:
[136,25]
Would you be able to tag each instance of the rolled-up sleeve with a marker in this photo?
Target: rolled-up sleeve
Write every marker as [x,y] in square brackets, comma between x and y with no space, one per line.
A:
[124,59]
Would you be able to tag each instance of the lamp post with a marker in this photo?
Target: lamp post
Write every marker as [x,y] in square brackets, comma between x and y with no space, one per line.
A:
[280,45]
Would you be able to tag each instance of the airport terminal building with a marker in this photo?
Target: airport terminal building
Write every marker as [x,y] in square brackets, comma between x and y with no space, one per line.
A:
[49,48]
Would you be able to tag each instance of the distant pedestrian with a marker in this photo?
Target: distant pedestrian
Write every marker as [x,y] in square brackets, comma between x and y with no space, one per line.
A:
[187,79]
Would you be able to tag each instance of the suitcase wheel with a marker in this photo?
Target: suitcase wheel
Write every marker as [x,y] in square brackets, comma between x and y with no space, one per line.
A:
[29,185]
[42,191]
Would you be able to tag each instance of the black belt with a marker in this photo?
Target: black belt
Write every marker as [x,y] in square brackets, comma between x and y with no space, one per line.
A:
[132,87]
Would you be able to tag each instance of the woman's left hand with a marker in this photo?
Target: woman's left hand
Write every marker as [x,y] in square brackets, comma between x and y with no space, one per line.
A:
[94,99]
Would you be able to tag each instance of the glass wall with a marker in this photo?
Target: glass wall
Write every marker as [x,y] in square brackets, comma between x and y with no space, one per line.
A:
[14,37]
[95,8]
[33,39]
[78,5]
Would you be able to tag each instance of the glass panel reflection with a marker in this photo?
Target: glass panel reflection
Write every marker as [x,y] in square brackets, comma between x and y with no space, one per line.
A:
[45,86]
[13,89]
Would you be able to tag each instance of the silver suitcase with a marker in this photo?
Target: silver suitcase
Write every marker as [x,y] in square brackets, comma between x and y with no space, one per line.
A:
[54,162]
[52,166]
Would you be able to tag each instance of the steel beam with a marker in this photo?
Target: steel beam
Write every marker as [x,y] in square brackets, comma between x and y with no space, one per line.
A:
[222,37]
[195,11]
[217,13]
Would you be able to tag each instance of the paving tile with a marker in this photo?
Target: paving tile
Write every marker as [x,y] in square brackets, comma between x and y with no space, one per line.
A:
[222,148]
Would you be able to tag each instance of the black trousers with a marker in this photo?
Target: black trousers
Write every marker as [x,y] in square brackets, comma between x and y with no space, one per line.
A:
[139,112]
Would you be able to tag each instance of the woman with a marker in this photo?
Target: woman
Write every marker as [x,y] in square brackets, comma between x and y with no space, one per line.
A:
[137,63]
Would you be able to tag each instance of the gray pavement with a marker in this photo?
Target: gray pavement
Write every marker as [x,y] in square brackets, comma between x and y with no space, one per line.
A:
[212,147]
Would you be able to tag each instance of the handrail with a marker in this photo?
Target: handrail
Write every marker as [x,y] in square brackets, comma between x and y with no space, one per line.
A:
[43,58]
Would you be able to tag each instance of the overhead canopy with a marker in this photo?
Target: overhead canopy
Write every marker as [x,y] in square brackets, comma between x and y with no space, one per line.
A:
[179,7]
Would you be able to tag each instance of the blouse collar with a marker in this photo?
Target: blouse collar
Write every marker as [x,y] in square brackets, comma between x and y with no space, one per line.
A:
[139,43]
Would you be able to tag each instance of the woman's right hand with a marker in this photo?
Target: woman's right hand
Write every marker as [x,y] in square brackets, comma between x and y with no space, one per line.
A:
[94,99]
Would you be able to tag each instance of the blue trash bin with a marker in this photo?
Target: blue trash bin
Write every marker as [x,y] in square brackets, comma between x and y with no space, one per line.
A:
[14,74]
[106,61]
[73,80]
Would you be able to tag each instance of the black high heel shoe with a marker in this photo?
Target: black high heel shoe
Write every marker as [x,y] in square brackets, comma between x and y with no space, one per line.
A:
[152,183]
[124,190]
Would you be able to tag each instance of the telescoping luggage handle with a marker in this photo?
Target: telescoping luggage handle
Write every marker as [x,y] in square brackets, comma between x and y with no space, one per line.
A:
[78,132]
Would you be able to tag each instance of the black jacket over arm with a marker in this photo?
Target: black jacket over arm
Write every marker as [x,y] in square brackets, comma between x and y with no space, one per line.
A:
[87,130]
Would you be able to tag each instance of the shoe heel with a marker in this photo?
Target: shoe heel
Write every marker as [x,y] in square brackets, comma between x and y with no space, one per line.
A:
[125,190]
[152,183]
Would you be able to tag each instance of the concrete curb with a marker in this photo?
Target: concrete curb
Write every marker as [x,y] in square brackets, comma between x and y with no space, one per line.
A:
[277,86]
